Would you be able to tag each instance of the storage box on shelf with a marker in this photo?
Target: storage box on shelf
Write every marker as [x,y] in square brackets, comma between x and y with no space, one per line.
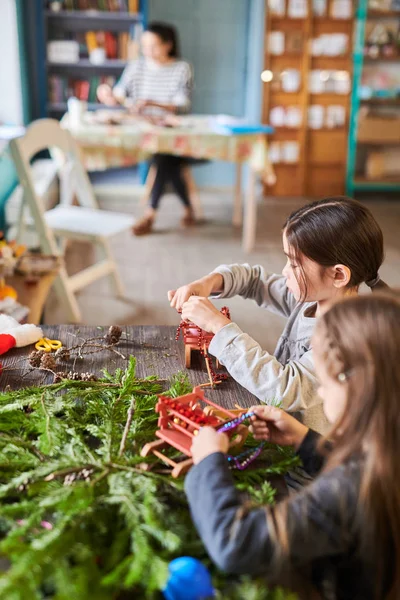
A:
[379,129]
[306,76]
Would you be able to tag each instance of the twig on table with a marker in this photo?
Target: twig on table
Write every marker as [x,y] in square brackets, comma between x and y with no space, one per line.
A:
[210,377]
[67,471]
[208,384]
[107,347]
[13,367]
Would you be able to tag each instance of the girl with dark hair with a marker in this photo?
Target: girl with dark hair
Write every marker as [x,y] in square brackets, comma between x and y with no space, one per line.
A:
[157,84]
[340,536]
[332,247]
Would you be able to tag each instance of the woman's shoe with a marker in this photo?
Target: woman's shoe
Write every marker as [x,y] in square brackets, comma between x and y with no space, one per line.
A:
[143,226]
[189,219]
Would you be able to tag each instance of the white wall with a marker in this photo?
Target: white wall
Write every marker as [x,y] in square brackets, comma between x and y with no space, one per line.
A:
[11,110]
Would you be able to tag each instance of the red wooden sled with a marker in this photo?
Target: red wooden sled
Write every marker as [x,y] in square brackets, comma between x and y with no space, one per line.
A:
[180,420]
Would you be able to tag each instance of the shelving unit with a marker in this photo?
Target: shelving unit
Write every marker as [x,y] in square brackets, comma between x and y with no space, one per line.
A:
[85,67]
[60,25]
[386,99]
[321,167]
[77,20]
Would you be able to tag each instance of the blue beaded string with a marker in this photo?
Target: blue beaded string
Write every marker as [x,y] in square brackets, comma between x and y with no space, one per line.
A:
[248,455]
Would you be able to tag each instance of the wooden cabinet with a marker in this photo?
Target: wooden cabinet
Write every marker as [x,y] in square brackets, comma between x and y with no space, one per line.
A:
[306,95]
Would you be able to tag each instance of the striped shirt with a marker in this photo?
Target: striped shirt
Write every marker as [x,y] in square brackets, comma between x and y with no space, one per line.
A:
[169,83]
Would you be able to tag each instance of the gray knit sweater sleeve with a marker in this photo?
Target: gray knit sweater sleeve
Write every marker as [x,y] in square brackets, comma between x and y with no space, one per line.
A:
[269,291]
[292,384]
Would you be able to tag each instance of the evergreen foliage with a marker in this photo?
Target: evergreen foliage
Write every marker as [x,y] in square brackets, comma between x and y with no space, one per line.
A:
[79,519]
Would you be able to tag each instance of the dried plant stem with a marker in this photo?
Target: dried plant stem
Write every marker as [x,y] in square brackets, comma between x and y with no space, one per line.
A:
[210,377]
[131,412]
[67,471]
[208,384]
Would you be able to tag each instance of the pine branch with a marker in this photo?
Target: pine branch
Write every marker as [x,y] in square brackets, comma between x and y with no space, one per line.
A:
[70,459]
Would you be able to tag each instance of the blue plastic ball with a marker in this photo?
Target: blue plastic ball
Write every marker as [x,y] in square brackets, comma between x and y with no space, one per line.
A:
[189,580]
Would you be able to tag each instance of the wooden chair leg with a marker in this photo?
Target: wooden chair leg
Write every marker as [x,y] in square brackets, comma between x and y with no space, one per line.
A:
[193,192]
[65,294]
[106,251]
[21,223]
[148,186]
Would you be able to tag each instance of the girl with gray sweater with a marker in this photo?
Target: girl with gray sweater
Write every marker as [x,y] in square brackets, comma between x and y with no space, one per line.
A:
[332,246]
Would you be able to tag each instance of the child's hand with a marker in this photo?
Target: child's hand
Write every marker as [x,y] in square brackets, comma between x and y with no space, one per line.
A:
[275,425]
[105,95]
[207,442]
[204,314]
[141,105]
[201,287]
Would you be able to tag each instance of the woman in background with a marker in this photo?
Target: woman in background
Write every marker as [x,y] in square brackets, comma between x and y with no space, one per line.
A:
[157,84]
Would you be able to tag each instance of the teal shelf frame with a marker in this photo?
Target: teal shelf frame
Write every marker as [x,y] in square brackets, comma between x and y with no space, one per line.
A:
[375,186]
[352,184]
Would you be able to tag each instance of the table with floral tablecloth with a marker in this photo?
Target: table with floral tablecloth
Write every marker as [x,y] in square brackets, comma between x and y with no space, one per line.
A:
[129,140]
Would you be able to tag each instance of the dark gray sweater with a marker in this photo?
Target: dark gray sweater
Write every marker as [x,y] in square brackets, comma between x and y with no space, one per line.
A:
[323,528]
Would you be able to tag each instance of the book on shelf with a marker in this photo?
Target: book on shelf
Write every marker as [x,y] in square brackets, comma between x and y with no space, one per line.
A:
[62,88]
[131,6]
[91,41]
[123,42]
[116,45]
[111,45]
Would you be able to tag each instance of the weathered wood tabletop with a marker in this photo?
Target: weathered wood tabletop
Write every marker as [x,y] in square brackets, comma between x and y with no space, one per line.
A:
[156,351]
[154,347]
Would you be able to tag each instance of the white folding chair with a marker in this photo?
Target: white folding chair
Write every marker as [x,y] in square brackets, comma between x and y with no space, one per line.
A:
[65,221]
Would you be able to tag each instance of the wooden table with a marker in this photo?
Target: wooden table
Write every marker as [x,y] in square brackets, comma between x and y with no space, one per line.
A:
[154,347]
[132,140]
[32,295]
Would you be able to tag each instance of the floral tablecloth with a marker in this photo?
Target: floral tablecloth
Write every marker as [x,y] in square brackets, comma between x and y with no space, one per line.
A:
[116,145]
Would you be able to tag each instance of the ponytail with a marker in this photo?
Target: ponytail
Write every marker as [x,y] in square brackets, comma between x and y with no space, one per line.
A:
[377,284]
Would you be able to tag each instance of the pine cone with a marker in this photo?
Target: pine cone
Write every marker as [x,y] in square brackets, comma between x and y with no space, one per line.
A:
[58,377]
[23,486]
[69,479]
[48,362]
[62,354]
[113,335]
[73,376]
[35,357]
[88,377]
[85,474]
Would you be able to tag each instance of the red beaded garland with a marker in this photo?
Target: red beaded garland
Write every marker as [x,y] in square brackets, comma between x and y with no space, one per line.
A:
[203,343]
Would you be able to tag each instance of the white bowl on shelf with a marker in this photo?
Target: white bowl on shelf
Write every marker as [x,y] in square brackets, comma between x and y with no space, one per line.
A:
[98,56]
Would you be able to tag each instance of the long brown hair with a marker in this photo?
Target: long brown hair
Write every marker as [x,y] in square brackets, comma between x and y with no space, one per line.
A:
[360,341]
[337,230]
